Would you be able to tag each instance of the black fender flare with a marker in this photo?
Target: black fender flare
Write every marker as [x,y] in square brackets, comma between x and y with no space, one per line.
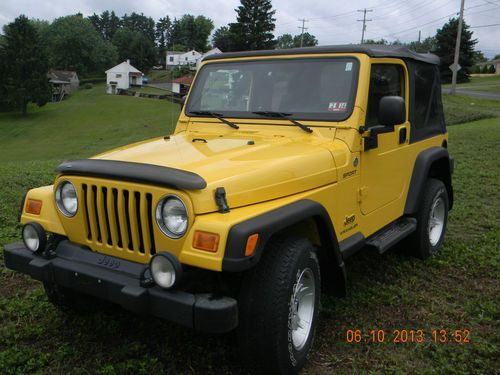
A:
[422,169]
[270,223]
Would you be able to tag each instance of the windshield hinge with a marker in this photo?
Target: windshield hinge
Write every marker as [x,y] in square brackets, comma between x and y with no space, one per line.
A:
[221,201]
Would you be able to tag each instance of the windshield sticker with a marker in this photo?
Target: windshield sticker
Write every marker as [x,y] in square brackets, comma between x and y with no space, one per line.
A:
[348,66]
[337,107]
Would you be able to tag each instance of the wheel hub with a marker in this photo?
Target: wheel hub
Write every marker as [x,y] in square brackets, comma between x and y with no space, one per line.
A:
[436,220]
[302,305]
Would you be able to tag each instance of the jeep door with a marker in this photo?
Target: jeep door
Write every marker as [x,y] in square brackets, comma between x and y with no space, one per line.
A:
[384,166]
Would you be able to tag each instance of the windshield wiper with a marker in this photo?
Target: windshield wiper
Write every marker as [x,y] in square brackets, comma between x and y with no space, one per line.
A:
[284,116]
[216,115]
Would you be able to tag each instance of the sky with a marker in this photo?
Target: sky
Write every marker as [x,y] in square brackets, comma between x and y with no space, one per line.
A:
[332,22]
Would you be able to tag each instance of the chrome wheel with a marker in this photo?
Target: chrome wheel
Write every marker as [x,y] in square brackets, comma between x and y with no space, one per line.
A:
[302,304]
[436,220]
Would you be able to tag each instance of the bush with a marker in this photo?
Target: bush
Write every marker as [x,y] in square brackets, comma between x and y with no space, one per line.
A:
[99,79]
[484,69]
[88,86]
[492,69]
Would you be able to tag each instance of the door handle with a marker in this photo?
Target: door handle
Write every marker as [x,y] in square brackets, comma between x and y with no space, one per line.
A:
[402,135]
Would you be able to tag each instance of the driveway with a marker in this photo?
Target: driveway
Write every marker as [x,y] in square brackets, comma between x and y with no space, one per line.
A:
[476,94]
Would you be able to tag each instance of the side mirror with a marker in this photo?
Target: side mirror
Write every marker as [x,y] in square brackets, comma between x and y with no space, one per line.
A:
[391,111]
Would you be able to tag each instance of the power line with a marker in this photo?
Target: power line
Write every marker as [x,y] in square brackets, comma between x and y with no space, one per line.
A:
[475,27]
[302,30]
[364,20]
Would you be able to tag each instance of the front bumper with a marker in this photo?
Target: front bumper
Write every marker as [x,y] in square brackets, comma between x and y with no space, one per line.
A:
[118,281]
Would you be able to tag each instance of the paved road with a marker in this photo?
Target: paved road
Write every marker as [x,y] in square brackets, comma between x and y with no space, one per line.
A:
[476,94]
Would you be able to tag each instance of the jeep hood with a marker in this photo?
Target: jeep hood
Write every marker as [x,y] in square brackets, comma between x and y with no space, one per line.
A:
[252,168]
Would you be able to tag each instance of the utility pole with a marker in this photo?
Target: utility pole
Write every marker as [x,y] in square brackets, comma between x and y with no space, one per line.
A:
[303,20]
[418,43]
[364,20]
[455,66]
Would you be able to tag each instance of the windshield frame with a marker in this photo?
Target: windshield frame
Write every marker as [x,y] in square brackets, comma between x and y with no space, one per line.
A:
[336,117]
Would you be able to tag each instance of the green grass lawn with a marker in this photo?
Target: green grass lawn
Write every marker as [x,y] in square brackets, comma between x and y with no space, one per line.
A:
[459,109]
[159,76]
[151,90]
[87,123]
[487,84]
[459,289]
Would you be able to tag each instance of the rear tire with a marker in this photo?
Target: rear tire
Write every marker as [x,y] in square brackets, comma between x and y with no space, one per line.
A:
[432,218]
[279,305]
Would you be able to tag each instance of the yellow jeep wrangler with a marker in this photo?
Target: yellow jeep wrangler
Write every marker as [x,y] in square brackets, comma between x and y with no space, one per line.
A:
[283,164]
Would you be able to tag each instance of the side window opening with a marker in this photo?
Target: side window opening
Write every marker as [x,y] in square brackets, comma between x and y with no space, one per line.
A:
[426,112]
[385,80]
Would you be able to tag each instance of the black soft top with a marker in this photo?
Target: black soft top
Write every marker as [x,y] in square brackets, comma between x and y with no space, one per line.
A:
[372,50]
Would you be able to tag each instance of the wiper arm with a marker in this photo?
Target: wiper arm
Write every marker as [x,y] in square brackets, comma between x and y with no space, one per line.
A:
[284,116]
[217,116]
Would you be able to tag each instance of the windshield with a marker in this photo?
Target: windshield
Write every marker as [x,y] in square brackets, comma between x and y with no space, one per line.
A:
[305,88]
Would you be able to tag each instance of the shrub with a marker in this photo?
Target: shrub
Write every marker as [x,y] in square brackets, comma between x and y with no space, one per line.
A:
[492,69]
[88,86]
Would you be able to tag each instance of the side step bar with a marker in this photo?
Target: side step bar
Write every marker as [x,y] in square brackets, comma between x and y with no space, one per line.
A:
[392,234]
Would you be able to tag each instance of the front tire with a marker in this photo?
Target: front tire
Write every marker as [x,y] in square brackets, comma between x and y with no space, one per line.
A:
[279,305]
[432,218]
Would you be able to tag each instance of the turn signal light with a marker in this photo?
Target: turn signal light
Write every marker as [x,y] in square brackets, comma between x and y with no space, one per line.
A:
[206,241]
[251,244]
[33,206]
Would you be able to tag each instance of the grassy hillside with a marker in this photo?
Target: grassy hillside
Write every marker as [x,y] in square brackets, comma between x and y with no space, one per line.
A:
[85,124]
[457,290]
[459,109]
[489,84]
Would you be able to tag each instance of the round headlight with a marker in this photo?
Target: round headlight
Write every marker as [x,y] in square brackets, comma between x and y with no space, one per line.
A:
[66,199]
[172,216]
[165,269]
[34,237]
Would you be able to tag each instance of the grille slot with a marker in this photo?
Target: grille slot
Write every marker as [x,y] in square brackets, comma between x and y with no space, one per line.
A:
[119,218]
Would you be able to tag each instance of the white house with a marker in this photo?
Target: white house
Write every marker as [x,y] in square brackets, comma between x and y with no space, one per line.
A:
[182,58]
[122,77]
[213,51]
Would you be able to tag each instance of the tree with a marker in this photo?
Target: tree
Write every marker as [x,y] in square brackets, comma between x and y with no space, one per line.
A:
[25,66]
[192,32]
[289,41]
[491,69]
[107,24]
[426,45]
[445,39]
[140,23]
[136,47]
[373,41]
[254,27]
[497,57]
[164,33]
[285,41]
[479,57]
[222,39]
[74,44]
[305,40]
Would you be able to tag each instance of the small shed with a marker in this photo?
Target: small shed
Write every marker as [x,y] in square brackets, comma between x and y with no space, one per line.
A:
[181,85]
[64,82]
[122,76]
